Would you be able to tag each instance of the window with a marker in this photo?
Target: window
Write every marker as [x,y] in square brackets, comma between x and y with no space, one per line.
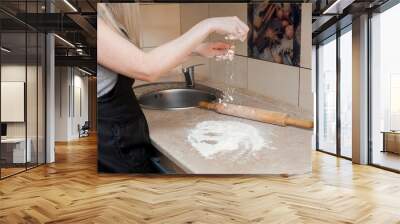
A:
[334,106]
[327,96]
[385,89]
[346,92]
[395,101]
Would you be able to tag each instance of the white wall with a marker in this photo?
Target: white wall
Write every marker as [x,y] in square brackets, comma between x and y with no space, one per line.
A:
[61,103]
[15,72]
[70,83]
[161,23]
[33,127]
[79,117]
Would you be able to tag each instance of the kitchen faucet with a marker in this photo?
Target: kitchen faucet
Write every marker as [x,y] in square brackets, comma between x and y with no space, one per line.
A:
[188,72]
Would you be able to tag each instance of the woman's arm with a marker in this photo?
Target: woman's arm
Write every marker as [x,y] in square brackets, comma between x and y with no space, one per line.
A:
[120,55]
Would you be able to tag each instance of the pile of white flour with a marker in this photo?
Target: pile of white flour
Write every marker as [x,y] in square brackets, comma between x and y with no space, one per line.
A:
[212,137]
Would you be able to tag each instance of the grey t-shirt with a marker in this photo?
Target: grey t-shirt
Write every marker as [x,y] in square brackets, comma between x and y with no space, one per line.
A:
[106,80]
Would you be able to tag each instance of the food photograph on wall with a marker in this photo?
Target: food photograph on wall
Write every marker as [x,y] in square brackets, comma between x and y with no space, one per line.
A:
[275,30]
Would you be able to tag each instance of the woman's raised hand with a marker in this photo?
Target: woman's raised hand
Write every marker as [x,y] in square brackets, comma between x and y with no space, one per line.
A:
[232,27]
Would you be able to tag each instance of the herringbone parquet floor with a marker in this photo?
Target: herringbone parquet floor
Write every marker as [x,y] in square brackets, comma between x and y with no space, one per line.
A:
[71,191]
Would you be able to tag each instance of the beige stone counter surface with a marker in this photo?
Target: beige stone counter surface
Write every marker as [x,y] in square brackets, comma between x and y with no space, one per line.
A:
[288,151]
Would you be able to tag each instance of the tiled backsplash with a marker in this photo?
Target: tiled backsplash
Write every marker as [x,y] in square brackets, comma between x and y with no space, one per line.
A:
[159,23]
[163,22]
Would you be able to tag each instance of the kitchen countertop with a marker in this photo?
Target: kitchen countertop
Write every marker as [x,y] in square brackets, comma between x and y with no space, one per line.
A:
[288,153]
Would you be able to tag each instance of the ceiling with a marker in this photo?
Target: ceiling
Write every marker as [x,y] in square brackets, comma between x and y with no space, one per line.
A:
[76,25]
[332,15]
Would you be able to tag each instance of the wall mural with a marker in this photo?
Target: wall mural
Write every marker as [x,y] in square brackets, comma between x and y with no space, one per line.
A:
[206,144]
[275,32]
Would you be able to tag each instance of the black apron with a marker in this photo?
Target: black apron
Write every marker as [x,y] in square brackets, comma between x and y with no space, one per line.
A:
[123,135]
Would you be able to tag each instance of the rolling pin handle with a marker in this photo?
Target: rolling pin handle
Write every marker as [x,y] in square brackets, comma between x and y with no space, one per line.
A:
[270,117]
[207,105]
[306,124]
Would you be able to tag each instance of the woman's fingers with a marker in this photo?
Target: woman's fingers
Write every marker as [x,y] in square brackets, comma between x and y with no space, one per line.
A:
[217,48]
[212,49]
[243,25]
[242,29]
[220,46]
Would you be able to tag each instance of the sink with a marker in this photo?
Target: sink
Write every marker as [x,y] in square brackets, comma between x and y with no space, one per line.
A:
[177,97]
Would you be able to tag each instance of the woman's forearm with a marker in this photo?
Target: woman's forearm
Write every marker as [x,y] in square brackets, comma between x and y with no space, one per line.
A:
[121,56]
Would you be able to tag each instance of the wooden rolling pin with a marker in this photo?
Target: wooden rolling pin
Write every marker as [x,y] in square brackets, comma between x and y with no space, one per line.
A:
[256,114]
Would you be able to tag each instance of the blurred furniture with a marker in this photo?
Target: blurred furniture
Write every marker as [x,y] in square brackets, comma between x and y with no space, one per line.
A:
[13,151]
[391,141]
[84,130]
